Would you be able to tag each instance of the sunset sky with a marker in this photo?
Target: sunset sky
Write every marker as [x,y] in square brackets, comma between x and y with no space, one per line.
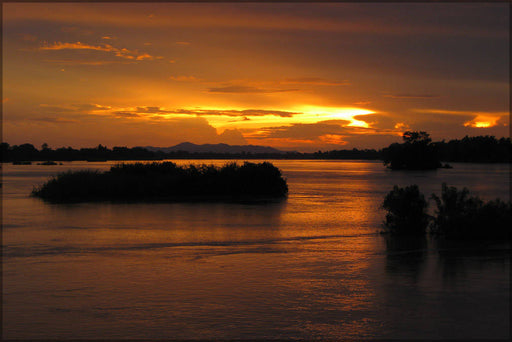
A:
[299,76]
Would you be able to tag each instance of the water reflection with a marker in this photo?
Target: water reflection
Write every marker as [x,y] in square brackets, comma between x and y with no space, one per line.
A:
[406,255]
[450,260]
[458,260]
[107,227]
[441,289]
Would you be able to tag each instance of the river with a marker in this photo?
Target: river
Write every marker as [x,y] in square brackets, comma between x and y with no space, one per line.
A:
[312,266]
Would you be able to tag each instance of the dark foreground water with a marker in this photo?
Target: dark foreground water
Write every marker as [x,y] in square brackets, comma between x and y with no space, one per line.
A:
[312,266]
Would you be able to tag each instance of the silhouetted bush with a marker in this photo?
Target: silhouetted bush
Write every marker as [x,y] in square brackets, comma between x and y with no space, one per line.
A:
[406,211]
[166,181]
[459,215]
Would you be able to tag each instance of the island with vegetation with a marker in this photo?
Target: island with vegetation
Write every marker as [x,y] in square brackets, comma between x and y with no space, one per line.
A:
[416,153]
[167,181]
[457,214]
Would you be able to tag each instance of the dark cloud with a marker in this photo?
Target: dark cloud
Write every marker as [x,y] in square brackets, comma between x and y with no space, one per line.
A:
[262,112]
[151,110]
[87,62]
[72,109]
[91,106]
[224,112]
[442,118]
[127,114]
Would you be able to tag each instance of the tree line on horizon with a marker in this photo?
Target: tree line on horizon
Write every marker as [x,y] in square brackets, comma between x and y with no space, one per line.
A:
[485,149]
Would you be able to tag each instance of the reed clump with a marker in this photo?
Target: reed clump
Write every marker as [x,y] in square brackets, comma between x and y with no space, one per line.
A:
[166,181]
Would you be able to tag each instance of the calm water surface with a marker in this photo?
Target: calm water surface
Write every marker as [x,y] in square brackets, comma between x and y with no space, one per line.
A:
[311,266]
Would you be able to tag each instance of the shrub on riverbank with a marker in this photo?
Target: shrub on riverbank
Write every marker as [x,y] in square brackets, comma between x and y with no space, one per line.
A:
[166,181]
[406,211]
[457,215]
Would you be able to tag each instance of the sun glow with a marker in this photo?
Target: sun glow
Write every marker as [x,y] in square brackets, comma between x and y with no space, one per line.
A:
[483,121]
[313,114]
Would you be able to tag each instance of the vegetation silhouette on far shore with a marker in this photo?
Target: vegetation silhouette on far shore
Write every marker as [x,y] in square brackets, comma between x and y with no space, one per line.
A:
[417,152]
[457,215]
[166,181]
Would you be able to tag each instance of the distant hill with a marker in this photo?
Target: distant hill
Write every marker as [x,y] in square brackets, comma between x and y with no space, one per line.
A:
[215,148]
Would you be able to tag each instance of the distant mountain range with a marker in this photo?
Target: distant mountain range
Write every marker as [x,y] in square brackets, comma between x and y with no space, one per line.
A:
[215,148]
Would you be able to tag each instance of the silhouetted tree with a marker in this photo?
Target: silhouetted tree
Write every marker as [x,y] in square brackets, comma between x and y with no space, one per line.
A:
[414,137]
[4,151]
[24,152]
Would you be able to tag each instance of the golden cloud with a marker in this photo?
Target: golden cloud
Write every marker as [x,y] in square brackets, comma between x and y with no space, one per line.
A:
[118,52]
[482,121]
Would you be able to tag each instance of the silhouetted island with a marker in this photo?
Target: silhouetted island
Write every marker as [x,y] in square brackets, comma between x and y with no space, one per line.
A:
[167,182]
